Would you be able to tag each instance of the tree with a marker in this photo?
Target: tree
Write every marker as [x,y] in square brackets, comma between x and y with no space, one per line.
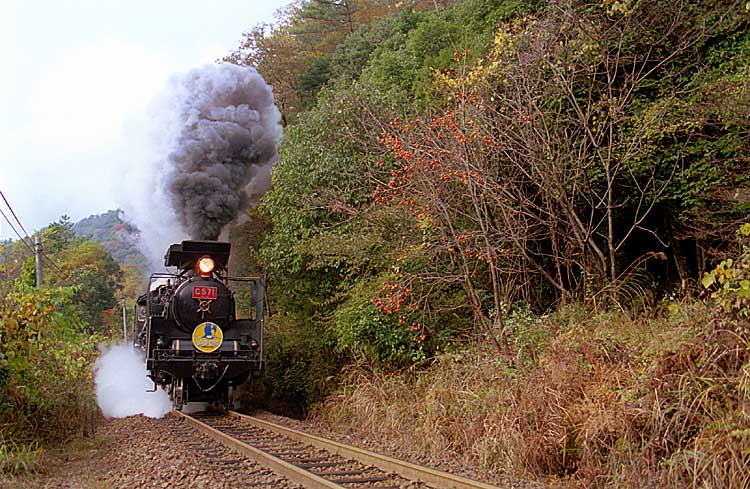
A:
[537,179]
[280,57]
[596,86]
[47,344]
[292,53]
[94,274]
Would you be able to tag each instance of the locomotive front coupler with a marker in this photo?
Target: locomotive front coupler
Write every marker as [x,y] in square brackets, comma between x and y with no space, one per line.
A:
[206,370]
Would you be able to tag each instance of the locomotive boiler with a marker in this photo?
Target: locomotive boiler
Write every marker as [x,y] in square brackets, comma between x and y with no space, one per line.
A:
[188,323]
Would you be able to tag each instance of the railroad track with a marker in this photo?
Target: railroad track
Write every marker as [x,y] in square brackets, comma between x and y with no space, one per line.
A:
[312,461]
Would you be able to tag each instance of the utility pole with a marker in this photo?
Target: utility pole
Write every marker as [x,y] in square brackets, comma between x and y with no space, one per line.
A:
[38,257]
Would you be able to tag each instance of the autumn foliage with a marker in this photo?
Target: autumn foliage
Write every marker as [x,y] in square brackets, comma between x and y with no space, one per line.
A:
[450,168]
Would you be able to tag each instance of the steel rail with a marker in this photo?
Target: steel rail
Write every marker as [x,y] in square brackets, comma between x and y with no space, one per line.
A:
[432,477]
[279,466]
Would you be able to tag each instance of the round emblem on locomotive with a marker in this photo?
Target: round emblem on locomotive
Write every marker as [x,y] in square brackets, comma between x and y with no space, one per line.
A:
[207,337]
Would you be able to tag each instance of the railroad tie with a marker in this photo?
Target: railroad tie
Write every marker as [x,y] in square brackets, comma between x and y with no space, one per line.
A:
[226,461]
[305,460]
[322,464]
[339,472]
[356,480]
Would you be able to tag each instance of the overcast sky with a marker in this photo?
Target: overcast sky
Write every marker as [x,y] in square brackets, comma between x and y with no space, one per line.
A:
[77,72]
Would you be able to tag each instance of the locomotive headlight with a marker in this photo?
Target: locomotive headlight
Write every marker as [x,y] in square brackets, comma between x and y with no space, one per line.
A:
[205,265]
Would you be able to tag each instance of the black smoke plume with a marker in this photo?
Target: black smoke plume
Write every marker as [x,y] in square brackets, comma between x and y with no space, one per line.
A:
[229,132]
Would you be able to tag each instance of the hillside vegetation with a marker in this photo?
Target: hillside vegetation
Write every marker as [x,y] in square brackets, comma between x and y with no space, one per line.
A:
[495,218]
[48,342]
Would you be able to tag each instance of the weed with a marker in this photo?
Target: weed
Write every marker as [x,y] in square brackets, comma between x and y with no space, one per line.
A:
[19,460]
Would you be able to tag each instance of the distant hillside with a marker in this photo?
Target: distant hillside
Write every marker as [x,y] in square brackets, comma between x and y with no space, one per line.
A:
[118,237]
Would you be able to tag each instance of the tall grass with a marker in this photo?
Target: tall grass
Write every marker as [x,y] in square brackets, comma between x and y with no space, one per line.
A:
[52,398]
[595,401]
[16,459]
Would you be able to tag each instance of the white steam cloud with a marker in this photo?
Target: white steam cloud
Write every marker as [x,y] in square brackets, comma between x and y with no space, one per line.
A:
[122,386]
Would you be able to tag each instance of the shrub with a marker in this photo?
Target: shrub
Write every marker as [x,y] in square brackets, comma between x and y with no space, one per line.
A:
[730,280]
[299,364]
[367,325]
[600,401]
[48,390]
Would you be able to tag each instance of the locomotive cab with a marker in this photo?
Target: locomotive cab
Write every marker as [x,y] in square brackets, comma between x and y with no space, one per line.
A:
[197,347]
[139,324]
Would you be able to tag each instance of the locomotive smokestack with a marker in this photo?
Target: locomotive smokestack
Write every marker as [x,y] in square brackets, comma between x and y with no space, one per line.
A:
[229,131]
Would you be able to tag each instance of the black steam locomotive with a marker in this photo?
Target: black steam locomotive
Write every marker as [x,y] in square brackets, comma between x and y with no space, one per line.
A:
[196,346]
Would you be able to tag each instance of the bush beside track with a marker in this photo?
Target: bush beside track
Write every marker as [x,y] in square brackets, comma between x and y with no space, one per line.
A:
[595,400]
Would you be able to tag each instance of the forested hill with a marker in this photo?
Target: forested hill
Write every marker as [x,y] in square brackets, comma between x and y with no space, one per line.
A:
[116,236]
[551,182]
[460,157]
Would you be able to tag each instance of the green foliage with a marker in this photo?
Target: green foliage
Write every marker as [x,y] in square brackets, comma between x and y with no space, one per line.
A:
[317,191]
[425,42]
[730,280]
[299,363]
[58,235]
[587,138]
[95,274]
[115,235]
[361,328]
[4,370]
[353,54]
[50,356]
[549,113]
[314,78]
[697,142]
[47,348]
[77,263]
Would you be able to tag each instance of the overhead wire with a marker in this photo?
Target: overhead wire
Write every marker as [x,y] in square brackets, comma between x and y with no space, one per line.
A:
[22,239]
[14,214]
[33,250]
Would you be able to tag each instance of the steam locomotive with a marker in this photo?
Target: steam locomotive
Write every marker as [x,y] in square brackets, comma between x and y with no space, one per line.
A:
[196,347]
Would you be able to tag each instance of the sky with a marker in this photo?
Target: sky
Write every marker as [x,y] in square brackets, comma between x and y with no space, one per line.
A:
[78,75]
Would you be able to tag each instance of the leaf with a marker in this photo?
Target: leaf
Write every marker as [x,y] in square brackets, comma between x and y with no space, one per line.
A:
[708,280]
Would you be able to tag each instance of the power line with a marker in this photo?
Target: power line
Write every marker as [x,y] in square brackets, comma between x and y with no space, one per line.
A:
[25,243]
[14,214]
[33,250]
[23,240]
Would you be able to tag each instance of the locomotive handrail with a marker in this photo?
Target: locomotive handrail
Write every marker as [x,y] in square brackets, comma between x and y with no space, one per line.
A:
[219,355]
[249,278]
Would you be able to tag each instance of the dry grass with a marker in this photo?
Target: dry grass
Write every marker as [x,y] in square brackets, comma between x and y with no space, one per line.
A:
[593,401]
[68,465]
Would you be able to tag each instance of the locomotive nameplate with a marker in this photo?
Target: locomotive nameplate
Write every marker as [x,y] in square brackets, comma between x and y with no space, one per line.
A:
[207,337]
[205,293]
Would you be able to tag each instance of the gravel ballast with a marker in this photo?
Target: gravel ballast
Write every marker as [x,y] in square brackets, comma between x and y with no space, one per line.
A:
[142,452]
